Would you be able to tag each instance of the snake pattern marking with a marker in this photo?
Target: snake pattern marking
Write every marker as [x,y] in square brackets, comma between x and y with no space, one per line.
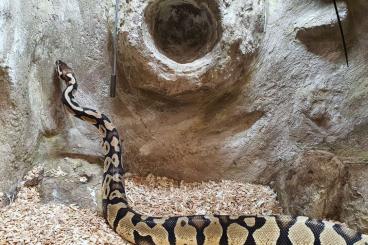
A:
[196,229]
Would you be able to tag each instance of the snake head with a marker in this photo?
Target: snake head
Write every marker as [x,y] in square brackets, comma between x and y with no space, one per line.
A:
[64,72]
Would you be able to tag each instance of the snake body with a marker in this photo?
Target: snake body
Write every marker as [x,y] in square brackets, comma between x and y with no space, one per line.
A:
[196,229]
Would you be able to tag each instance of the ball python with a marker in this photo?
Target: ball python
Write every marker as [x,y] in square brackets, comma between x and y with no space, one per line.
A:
[196,229]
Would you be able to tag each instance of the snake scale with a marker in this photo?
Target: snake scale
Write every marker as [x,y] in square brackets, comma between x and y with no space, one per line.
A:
[196,229]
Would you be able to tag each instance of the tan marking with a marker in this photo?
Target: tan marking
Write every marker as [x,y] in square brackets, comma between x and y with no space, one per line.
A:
[118,194]
[106,147]
[94,114]
[102,131]
[300,233]
[107,163]
[185,234]
[160,221]
[67,98]
[213,231]
[115,160]
[106,186]
[115,143]
[144,217]
[158,233]
[268,233]
[329,236]
[112,211]
[72,78]
[117,178]
[109,126]
[236,234]
[250,221]
[234,217]
[125,227]
[89,120]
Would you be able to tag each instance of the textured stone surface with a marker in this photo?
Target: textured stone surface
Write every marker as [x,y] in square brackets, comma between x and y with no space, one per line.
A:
[71,181]
[313,184]
[234,45]
[354,208]
[33,35]
[273,89]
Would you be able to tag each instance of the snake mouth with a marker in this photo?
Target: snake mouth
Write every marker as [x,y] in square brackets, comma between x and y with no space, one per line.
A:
[184,30]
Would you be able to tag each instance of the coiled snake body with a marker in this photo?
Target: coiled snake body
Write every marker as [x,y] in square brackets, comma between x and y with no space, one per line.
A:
[197,229]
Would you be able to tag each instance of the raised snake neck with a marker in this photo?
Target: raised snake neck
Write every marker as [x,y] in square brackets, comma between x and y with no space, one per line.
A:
[195,229]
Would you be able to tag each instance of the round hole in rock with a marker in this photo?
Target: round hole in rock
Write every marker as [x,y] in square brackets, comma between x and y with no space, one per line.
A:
[184,30]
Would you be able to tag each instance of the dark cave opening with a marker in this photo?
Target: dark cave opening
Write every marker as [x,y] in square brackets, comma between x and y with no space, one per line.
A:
[184,30]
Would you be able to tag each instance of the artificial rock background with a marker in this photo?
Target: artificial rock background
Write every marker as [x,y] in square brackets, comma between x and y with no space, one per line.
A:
[253,91]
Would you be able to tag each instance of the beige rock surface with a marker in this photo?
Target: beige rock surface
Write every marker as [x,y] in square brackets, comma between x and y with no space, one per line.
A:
[266,89]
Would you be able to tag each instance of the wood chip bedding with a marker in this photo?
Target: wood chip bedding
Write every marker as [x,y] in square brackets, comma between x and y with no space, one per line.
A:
[28,221]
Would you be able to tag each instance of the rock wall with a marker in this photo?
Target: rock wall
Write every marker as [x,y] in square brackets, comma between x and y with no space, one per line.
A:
[249,90]
[34,127]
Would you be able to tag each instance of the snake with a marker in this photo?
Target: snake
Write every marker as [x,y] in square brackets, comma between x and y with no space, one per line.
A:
[211,229]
